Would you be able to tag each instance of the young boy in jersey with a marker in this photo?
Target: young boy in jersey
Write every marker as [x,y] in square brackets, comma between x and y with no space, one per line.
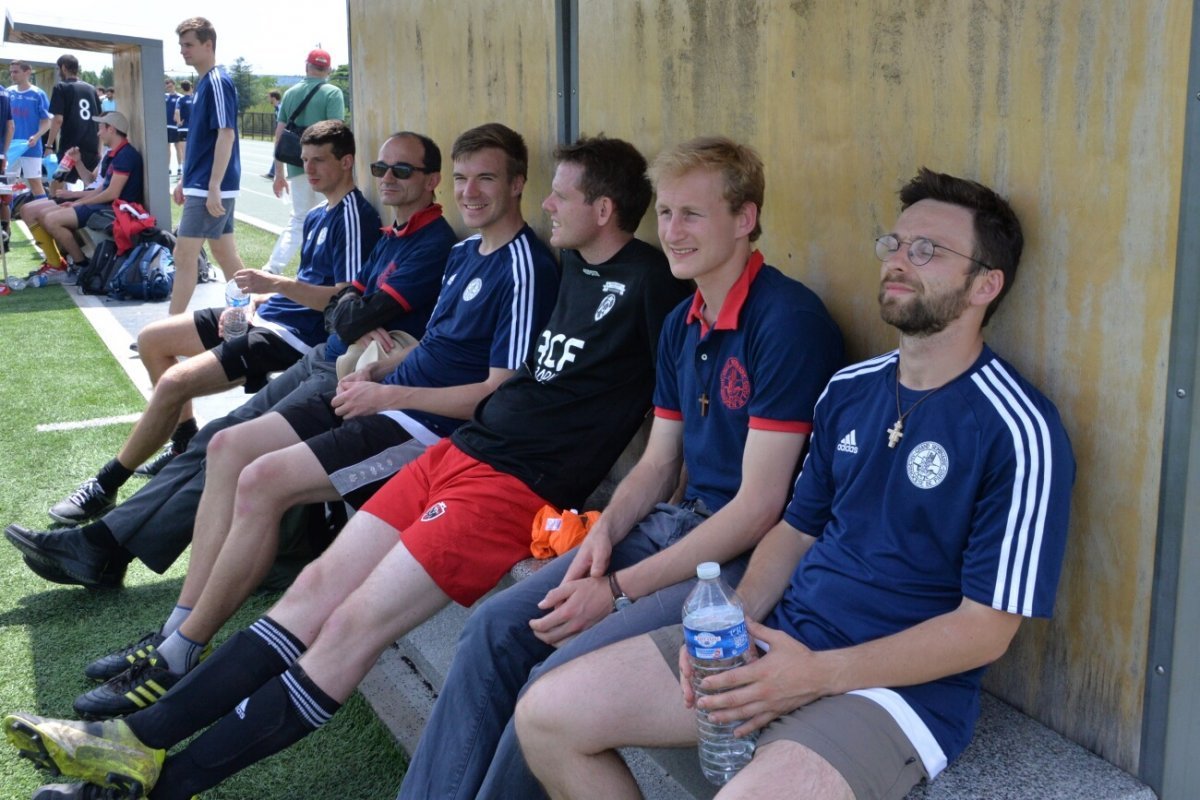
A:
[75,105]
[183,118]
[930,517]
[499,289]
[211,177]
[447,526]
[285,322]
[395,291]
[121,177]
[171,101]
[739,369]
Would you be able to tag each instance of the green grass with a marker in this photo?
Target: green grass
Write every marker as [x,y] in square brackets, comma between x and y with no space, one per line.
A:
[56,369]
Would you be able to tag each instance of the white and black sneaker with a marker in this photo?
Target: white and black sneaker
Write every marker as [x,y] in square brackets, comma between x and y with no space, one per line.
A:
[88,501]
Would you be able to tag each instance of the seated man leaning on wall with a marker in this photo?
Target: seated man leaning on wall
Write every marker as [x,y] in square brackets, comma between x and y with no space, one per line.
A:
[395,290]
[500,286]
[930,517]
[740,369]
[448,526]
[285,323]
[121,173]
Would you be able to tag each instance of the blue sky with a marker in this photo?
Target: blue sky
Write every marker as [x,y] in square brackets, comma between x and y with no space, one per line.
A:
[273,43]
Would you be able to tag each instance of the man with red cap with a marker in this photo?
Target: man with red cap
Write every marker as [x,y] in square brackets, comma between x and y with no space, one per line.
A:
[311,100]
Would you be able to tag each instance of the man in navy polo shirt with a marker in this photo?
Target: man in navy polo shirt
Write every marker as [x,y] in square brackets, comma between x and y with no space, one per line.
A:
[212,169]
[121,171]
[395,290]
[285,323]
[936,490]
[740,368]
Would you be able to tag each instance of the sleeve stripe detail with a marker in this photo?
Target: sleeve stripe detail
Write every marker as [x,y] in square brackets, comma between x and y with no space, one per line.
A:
[781,425]
[395,295]
[1026,523]
[218,98]
[352,224]
[668,413]
[521,326]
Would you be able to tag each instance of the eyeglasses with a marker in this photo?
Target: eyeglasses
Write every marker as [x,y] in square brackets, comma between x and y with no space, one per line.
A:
[400,170]
[920,250]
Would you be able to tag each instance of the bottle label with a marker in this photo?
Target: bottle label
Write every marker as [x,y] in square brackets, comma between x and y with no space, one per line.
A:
[718,644]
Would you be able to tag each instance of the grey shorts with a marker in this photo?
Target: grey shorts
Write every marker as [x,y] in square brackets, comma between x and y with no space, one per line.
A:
[197,223]
[856,736]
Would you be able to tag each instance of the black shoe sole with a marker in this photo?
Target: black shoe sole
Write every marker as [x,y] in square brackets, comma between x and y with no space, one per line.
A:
[55,566]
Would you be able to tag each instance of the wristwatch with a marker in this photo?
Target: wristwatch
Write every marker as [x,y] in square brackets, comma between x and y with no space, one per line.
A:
[620,599]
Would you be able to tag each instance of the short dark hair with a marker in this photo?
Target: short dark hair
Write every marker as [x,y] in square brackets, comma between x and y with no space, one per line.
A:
[68,63]
[612,168]
[998,236]
[432,155]
[501,137]
[332,132]
[204,30]
[185,85]
[274,93]
[739,165]
[21,65]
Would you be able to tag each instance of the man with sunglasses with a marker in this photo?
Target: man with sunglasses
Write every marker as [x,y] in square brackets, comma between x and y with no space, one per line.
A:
[929,519]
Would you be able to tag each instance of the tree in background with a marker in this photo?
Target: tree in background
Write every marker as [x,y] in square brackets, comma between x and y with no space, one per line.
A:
[340,78]
[249,88]
[103,80]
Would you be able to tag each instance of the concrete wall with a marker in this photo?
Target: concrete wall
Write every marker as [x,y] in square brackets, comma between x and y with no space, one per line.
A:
[1072,109]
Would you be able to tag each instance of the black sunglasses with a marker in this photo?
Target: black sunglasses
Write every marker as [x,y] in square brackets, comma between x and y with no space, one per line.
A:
[400,170]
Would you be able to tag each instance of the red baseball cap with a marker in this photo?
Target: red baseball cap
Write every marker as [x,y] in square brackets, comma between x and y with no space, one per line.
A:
[319,59]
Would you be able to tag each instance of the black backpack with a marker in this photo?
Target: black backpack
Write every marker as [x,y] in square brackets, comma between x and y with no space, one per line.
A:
[95,276]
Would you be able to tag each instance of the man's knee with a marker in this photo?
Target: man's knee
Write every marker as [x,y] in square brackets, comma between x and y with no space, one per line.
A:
[176,385]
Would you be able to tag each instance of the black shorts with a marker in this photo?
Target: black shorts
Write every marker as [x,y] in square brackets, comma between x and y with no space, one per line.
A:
[358,454]
[253,356]
[181,134]
[172,135]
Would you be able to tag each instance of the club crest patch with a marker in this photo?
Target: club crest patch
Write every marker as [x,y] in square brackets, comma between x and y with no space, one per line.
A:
[928,464]
[433,512]
[472,290]
[321,236]
[735,384]
[606,305]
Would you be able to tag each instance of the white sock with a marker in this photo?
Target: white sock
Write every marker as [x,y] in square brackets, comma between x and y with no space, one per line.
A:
[178,615]
[181,653]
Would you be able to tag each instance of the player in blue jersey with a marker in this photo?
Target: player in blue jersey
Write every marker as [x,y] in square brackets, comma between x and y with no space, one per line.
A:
[213,167]
[285,323]
[591,370]
[31,121]
[929,519]
[395,290]
[740,368]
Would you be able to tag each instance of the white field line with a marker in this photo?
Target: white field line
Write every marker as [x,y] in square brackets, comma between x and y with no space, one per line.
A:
[87,423]
[258,223]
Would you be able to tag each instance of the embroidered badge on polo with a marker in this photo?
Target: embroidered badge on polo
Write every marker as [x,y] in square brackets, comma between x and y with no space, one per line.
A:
[472,290]
[321,236]
[735,384]
[928,464]
[433,512]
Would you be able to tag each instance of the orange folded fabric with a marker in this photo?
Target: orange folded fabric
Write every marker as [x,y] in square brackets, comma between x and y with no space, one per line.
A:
[555,532]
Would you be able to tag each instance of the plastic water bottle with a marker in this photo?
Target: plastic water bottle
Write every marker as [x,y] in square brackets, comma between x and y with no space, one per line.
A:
[234,320]
[36,281]
[714,627]
[64,168]
[15,283]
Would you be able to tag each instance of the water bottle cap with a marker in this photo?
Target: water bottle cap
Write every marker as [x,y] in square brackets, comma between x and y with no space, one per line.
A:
[708,570]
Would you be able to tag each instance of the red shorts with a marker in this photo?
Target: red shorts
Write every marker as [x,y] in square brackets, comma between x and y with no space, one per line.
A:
[463,521]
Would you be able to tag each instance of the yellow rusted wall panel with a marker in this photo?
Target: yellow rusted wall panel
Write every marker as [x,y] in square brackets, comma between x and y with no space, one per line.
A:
[1074,110]
[440,67]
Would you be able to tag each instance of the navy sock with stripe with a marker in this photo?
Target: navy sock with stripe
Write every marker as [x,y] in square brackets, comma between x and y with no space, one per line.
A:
[244,663]
[281,713]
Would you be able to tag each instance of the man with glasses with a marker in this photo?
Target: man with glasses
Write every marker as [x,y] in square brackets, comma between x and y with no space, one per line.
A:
[930,517]
[395,291]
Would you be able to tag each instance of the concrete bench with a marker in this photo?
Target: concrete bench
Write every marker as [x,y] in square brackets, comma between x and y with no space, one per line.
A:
[1013,757]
